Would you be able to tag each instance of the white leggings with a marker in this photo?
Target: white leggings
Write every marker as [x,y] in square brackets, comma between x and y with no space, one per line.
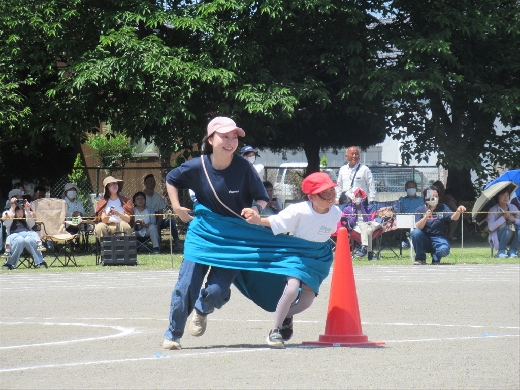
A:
[292,301]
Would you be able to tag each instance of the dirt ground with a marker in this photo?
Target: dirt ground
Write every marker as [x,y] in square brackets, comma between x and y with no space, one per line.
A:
[447,326]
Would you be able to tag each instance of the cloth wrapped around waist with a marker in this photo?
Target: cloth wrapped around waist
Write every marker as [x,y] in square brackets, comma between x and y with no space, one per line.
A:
[263,258]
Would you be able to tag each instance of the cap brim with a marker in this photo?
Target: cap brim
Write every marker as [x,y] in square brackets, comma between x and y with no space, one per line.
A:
[223,130]
[324,187]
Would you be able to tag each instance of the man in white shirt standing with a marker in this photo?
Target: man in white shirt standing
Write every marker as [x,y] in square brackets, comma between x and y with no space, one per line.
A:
[355,175]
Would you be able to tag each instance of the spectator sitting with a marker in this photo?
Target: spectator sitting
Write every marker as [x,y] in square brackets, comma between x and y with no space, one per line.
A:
[15,192]
[250,154]
[410,202]
[343,200]
[19,222]
[145,223]
[74,207]
[357,218]
[39,193]
[114,212]
[431,221]
[503,221]
[274,206]
[356,175]
[155,203]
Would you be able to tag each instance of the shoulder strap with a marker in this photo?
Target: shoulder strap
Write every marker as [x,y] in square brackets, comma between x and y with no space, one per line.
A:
[355,173]
[213,189]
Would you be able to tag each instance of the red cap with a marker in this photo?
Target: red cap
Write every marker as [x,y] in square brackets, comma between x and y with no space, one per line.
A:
[359,191]
[317,182]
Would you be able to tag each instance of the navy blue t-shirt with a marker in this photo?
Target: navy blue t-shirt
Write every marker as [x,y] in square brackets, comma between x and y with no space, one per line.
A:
[437,224]
[236,186]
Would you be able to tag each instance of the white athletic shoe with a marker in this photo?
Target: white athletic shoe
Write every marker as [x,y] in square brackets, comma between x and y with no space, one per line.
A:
[172,344]
[198,324]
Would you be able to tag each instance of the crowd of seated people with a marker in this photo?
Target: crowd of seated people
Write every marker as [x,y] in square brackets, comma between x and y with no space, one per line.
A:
[116,213]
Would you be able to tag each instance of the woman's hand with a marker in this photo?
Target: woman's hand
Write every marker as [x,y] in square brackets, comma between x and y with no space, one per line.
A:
[183,214]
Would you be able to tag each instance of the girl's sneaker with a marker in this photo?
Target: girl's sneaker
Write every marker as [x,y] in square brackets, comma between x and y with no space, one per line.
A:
[502,255]
[41,248]
[6,254]
[274,339]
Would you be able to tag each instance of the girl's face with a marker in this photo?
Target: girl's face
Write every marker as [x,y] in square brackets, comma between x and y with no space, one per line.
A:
[140,201]
[18,213]
[224,143]
[324,200]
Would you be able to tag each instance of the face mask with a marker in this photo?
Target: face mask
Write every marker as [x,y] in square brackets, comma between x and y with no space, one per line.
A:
[358,200]
[411,191]
[432,202]
[251,159]
[71,194]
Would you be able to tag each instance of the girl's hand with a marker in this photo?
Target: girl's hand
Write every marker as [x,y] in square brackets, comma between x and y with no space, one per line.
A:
[251,216]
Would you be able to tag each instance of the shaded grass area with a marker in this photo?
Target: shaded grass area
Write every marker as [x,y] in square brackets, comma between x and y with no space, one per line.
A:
[471,253]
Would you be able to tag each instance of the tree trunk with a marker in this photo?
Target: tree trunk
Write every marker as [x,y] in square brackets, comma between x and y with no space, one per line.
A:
[312,152]
[460,185]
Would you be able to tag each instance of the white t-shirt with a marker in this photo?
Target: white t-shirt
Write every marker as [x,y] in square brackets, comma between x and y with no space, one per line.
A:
[155,202]
[145,215]
[118,206]
[304,222]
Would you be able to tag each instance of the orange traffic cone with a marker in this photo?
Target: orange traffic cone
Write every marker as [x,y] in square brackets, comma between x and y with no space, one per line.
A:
[343,327]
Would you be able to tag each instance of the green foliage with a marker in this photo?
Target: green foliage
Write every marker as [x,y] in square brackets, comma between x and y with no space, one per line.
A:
[113,150]
[453,71]
[323,162]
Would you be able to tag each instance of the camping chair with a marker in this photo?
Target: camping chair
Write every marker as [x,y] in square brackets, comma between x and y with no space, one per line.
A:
[143,242]
[51,213]
[387,216]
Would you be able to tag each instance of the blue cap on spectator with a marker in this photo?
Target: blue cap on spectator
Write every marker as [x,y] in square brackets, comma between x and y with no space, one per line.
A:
[247,149]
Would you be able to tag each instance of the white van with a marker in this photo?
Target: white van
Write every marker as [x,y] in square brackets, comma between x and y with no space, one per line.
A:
[288,180]
[287,184]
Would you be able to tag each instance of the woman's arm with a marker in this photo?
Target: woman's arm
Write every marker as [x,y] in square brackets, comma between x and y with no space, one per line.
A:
[420,224]
[182,212]
[494,219]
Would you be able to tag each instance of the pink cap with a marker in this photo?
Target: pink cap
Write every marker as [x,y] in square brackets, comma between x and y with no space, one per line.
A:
[222,124]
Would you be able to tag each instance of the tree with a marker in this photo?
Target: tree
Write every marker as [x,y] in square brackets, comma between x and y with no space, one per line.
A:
[112,149]
[453,71]
[302,72]
[162,69]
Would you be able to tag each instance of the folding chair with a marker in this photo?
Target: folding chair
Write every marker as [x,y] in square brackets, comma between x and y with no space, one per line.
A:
[26,260]
[51,213]
[406,221]
[142,242]
[387,216]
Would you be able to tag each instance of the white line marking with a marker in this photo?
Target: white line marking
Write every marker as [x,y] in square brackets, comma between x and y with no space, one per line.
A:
[122,332]
[179,355]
